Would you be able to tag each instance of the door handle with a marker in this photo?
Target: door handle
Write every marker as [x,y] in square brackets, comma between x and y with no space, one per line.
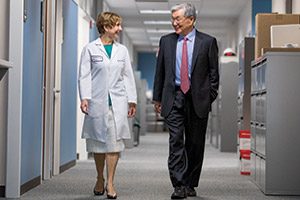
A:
[56,90]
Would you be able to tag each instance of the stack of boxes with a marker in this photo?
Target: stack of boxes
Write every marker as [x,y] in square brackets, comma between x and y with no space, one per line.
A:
[263,23]
[245,151]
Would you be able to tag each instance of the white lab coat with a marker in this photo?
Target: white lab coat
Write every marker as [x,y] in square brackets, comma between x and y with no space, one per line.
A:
[100,76]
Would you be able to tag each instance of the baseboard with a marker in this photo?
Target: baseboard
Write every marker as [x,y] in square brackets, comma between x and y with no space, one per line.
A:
[67,166]
[2,191]
[30,184]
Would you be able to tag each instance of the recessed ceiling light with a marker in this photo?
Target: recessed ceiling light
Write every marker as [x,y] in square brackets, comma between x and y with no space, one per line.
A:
[155,12]
[158,22]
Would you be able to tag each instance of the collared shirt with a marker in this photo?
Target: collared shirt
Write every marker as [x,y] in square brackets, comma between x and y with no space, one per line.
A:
[190,46]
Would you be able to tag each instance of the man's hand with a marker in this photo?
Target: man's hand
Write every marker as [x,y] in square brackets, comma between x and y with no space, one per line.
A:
[157,107]
[84,106]
[131,110]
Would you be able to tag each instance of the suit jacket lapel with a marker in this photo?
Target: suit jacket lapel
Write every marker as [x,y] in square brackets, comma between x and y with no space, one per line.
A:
[197,46]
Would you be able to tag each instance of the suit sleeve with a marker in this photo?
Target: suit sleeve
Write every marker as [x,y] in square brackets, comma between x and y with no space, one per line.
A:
[213,69]
[84,76]
[159,74]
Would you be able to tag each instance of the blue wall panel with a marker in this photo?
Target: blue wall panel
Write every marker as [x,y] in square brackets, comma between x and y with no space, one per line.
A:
[69,83]
[260,6]
[146,64]
[93,33]
[32,94]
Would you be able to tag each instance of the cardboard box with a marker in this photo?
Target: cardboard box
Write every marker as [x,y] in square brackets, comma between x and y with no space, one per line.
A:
[285,35]
[263,23]
[264,50]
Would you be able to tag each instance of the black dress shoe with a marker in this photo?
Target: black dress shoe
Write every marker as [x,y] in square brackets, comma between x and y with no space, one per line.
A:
[98,193]
[179,193]
[190,192]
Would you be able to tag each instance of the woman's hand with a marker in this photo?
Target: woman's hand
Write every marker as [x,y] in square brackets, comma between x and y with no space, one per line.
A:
[84,106]
[131,110]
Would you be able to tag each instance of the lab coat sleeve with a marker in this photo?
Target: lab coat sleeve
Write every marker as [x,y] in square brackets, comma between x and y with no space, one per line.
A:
[85,75]
[129,80]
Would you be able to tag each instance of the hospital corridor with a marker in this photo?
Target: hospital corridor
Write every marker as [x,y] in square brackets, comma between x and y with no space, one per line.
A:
[133,99]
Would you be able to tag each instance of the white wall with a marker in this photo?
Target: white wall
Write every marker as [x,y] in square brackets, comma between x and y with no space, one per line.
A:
[4,38]
[124,40]
[278,6]
[296,7]
[232,36]
[83,39]
[4,28]
[245,22]
[127,42]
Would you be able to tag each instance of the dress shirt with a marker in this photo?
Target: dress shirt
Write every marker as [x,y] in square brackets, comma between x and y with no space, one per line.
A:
[190,46]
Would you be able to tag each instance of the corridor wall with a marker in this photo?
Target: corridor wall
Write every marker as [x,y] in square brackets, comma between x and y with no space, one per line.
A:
[146,64]
[68,86]
[93,32]
[4,16]
[32,96]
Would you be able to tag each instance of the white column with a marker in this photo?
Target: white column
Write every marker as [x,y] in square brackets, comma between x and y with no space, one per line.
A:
[278,6]
[13,159]
[49,88]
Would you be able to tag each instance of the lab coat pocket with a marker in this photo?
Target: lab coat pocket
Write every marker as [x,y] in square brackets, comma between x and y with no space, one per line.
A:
[95,108]
[97,61]
[96,58]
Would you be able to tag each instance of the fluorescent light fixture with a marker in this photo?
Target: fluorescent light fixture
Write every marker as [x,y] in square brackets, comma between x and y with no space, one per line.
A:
[160,30]
[155,12]
[158,22]
[155,38]
[158,1]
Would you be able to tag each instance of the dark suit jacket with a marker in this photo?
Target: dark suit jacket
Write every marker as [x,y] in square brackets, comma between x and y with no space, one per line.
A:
[204,74]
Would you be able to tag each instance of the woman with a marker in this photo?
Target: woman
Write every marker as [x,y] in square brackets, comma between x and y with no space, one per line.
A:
[108,97]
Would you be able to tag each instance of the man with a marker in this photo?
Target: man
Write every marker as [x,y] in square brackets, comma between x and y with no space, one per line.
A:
[186,83]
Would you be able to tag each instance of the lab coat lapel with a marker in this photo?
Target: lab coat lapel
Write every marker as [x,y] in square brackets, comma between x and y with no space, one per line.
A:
[101,47]
[115,49]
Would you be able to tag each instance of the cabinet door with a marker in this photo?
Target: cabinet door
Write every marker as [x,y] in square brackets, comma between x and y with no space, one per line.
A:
[263,174]
[253,166]
[253,135]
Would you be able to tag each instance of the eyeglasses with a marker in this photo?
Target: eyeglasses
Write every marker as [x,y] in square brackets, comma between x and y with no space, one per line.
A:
[177,19]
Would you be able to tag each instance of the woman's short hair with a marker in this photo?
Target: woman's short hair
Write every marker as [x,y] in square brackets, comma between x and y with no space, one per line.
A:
[107,19]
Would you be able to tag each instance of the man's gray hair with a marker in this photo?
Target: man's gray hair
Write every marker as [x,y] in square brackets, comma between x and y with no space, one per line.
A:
[189,9]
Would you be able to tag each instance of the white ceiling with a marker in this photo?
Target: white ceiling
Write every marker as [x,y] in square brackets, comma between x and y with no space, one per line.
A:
[214,17]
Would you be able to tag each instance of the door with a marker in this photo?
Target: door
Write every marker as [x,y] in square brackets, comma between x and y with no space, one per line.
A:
[51,110]
[32,93]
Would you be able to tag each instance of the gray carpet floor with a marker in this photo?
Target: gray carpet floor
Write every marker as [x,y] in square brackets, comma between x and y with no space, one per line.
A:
[142,174]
